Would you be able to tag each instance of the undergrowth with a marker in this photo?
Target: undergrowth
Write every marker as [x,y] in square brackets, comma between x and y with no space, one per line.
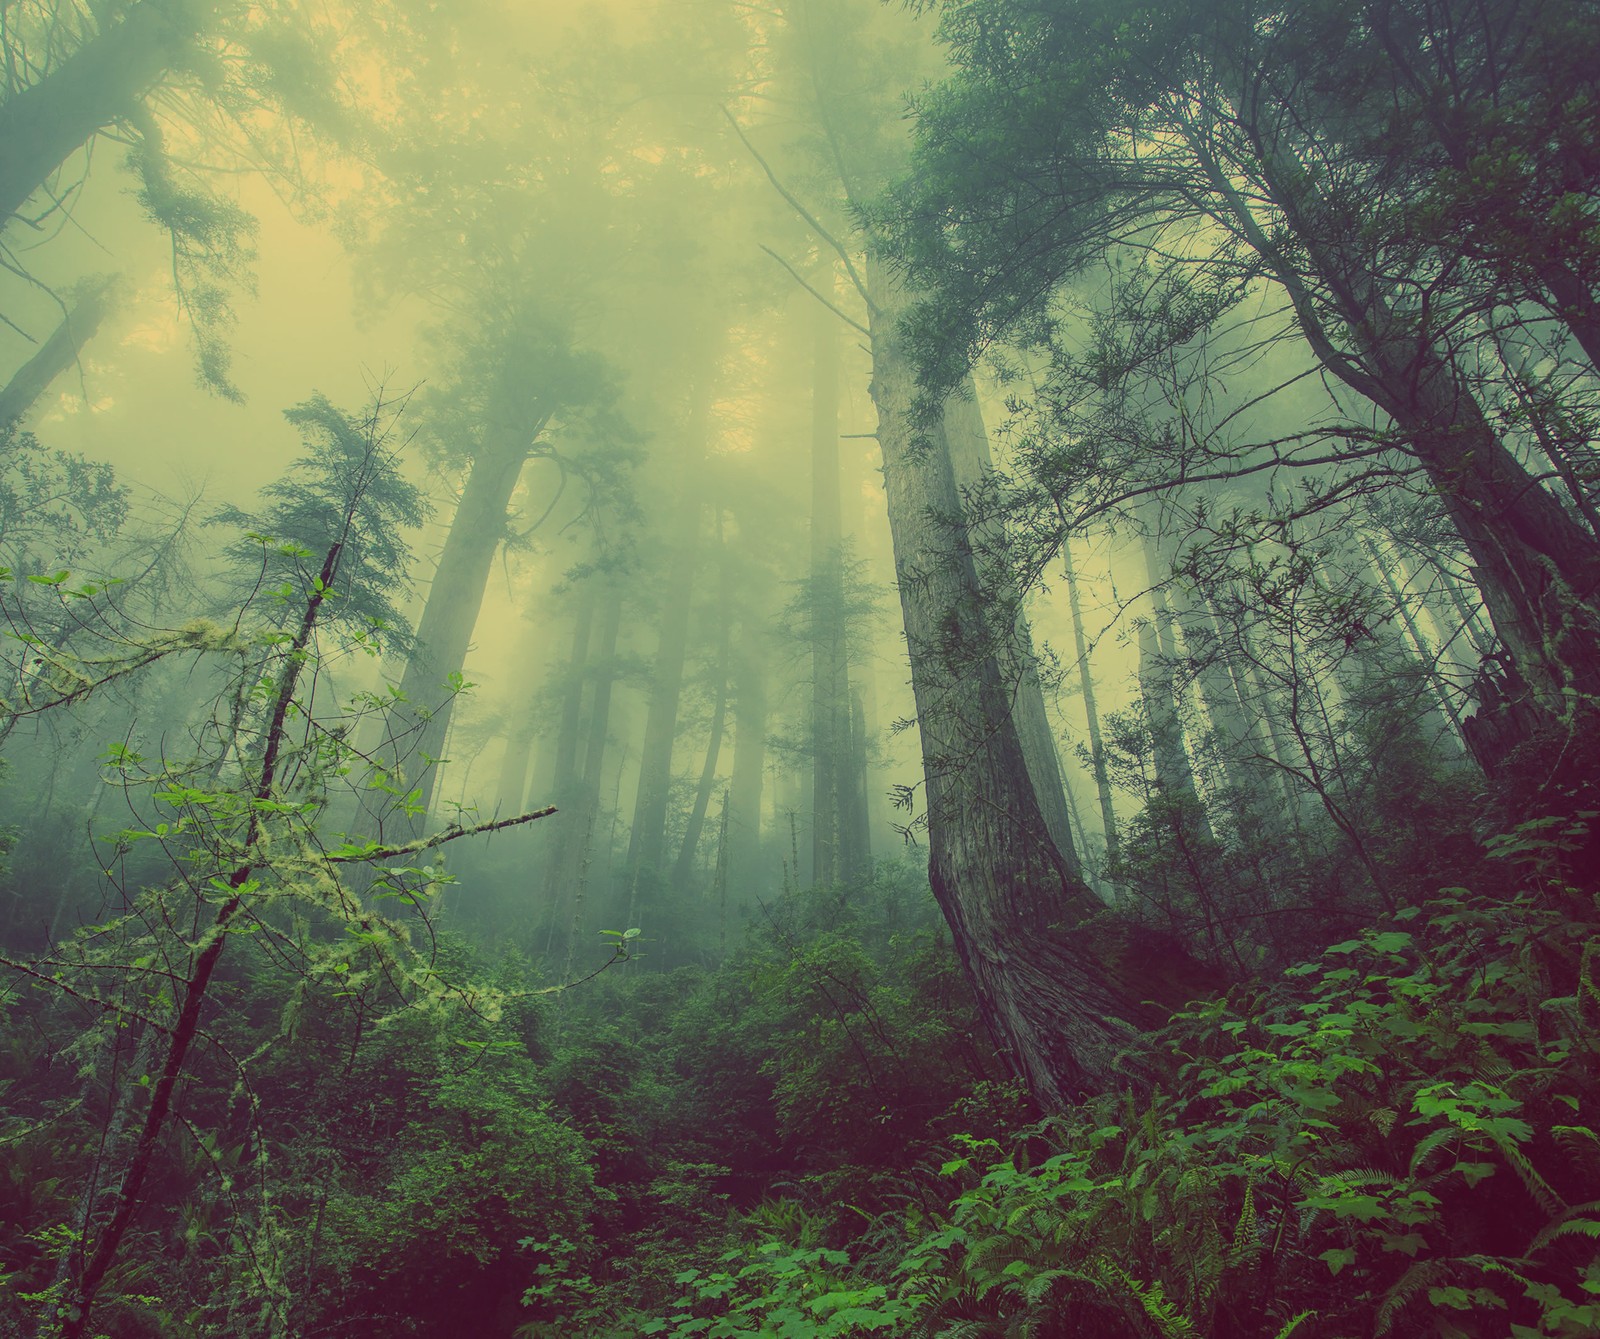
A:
[1397,1138]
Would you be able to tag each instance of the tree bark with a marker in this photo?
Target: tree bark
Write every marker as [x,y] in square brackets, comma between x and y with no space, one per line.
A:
[973,463]
[1064,1006]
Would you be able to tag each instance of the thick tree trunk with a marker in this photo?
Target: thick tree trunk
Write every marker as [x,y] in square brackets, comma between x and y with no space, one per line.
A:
[59,352]
[1064,1006]
[96,86]
[417,724]
[973,464]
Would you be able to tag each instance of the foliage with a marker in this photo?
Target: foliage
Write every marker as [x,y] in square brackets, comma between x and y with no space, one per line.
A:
[346,456]
[1397,1139]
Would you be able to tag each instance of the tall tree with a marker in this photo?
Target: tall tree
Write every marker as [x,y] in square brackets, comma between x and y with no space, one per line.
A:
[1200,123]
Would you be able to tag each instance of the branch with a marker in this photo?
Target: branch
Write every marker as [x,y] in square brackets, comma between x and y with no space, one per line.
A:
[848,320]
[621,954]
[449,834]
[806,214]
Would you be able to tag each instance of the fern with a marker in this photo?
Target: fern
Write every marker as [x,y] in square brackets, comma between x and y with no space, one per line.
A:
[1153,1302]
[1294,1325]
[1246,1243]
[1575,1221]
[1429,1143]
[1422,1274]
[1536,1185]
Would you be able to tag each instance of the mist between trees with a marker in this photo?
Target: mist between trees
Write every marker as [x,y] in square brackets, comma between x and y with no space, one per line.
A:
[800,669]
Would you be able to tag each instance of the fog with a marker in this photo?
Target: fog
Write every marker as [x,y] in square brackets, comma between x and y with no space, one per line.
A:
[559,528]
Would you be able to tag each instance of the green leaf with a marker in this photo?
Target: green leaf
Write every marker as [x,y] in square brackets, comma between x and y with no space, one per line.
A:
[1338,1259]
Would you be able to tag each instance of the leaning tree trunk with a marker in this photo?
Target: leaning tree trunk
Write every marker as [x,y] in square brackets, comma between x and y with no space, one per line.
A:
[1064,1006]
[417,723]
[973,465]
[97,85]
[59,352]
[1537,568]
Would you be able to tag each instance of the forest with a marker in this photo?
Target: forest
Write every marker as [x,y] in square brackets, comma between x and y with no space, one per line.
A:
[800,668]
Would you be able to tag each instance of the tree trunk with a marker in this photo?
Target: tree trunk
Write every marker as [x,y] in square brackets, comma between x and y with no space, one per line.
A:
[1235,730]
[417,723]
[855,823]
[1063,1006]
[97,85]
[1442,708]
[973,464]
[60,351]
[1537,568]
[830,674]
[647,840]
[683,870]
[1097,748]
[570,856]
[1158,657]
[749,762]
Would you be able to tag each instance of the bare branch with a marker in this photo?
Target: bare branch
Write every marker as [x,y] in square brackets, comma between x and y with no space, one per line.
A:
[794,274]
[806,214]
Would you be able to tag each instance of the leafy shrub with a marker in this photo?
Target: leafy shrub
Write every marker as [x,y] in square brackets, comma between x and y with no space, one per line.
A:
[1397,1139]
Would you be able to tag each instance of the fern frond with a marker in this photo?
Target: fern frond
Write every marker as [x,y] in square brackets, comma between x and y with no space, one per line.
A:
[1576,1221]
[1528,1174]
[1038,1287]
[1294,1325]
[1153,1302]
[1422,1274]
[1581,1144]
[1246,1242]
[1443,1135]
[1359,1176]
